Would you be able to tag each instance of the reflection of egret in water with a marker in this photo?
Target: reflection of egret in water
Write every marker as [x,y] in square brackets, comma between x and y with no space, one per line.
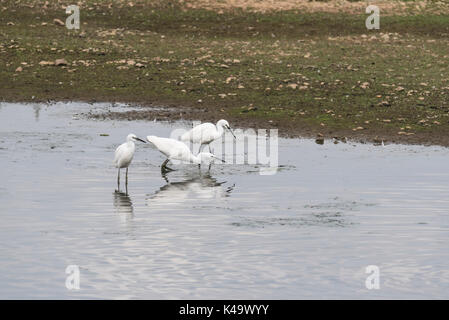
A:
[37,109]
[123,205]
[196,189]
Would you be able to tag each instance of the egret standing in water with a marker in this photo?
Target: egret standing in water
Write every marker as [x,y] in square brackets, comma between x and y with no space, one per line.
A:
[124,155]
[206,133]
[177,150]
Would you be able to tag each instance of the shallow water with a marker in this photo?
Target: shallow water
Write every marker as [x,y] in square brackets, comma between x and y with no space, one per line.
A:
[308,231]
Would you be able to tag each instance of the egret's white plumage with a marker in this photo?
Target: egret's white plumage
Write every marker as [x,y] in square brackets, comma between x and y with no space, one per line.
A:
[206,133]
[177,150]
[125,152]
[124,155]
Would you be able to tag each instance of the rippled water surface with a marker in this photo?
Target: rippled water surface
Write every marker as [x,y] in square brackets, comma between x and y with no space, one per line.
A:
[308,231]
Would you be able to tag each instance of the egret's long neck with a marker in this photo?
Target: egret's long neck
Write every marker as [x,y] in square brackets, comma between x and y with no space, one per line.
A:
[219,128]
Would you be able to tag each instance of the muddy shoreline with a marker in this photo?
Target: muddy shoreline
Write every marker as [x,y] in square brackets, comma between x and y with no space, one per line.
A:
[170,112]
[287,129]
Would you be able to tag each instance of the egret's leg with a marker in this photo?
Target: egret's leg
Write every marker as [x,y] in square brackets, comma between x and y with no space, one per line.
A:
[164,167]
[165,177]
[118,180]
[210,165]
[164,164]
[126,181]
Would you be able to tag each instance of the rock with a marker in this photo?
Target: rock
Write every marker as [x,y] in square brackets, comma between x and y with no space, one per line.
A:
[229,79]
[19,69]
[319,140]
[58,22]
[60,62]
[250,108]
[364,85]
[46,63]
[140,65]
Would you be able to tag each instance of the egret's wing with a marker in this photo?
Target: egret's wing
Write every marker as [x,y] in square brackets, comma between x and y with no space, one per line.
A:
[200,134]
[119,153]
[169,147]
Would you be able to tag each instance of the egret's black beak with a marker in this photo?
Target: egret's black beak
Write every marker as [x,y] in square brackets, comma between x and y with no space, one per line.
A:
[229,128]
[138,139]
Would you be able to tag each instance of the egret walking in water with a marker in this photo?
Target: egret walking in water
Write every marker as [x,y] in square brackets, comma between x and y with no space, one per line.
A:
[124,155]
[206,133]
[177,150]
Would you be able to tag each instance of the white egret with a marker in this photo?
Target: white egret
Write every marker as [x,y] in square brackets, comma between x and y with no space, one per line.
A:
[177,150]
[124,155]
[206,133]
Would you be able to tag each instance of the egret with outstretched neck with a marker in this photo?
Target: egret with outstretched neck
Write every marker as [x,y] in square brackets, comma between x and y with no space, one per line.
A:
[177,150]
[206,133]
[124,155]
